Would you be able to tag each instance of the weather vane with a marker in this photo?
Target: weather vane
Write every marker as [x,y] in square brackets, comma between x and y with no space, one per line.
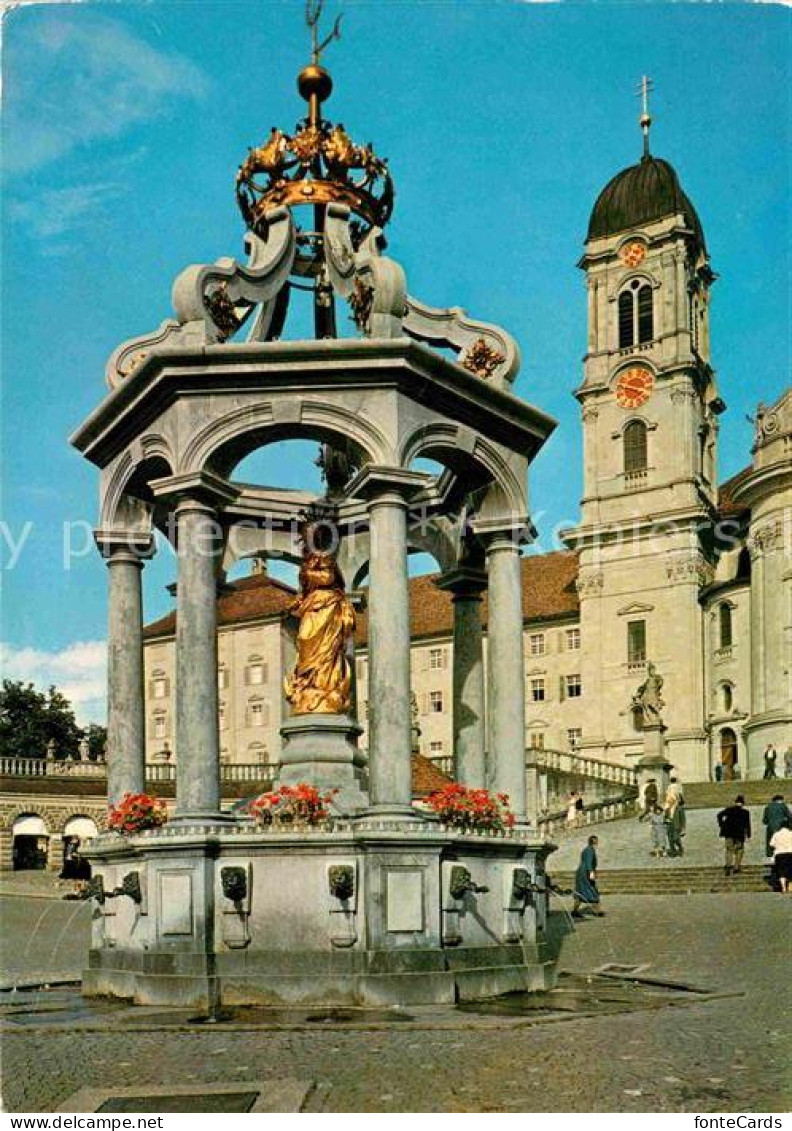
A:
[644,86]
[313,13]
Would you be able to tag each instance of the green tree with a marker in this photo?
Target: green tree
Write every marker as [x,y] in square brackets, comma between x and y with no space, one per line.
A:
[97,741]
[30,719]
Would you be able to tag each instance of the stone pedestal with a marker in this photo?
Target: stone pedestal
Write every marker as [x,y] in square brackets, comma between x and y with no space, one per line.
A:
[323,751]
[375,911]
[653,764]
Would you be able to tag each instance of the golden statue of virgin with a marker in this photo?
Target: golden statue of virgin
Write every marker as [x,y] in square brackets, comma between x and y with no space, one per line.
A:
[322,677]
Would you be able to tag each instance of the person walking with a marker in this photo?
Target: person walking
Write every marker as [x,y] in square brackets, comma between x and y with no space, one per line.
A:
[649,798]
[734,823]
[788,762]
[675,816]
[776,815]
[781,842]
[586,891]
[659,827]
[572,810]
[770,758]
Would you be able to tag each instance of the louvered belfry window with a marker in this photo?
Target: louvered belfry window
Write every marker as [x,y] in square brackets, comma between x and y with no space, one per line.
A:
[645,314]
[626,320]
[635,446]
[636,315]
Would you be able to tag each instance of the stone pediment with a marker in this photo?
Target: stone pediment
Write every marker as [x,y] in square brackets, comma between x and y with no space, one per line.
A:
[634,609]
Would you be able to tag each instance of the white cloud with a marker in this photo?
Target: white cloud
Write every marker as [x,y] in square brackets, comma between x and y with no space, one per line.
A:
[79,671]
[55,212]
[76,79]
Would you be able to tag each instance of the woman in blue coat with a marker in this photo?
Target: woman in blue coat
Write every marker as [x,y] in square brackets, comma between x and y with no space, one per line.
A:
[586,881]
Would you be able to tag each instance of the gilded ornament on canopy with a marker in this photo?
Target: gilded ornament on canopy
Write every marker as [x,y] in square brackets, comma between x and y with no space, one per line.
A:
[319,163]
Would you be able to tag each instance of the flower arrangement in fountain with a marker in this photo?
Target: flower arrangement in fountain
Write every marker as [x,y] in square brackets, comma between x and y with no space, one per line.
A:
[471,810]
[292,805]
[136,812]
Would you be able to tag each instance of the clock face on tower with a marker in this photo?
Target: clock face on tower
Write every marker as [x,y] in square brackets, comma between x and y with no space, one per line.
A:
[633,253]
[634,387]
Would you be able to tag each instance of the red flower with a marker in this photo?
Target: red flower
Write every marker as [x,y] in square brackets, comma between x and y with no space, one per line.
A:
[135,812]
[471,809]
[290,803]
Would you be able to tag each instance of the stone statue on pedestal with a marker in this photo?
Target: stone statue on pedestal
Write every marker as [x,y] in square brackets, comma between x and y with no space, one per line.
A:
[648,701]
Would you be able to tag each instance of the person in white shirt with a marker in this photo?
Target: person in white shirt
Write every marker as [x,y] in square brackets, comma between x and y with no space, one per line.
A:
[781,844]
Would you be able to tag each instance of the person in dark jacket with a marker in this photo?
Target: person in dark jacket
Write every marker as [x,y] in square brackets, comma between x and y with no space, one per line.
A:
[776,815]
[586,891]
[734,823]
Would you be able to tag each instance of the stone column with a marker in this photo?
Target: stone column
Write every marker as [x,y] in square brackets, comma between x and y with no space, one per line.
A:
[506,675]
[197,734]
[466,587]
[390,739]
[126,732]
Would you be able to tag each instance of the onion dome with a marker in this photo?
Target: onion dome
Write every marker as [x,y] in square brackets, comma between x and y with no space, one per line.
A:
[639,195]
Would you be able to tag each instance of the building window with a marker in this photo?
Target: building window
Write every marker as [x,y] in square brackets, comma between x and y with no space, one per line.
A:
[537,740]
[257,714]
[645,314]
[437,658]
[435,702]
[573,638]
[222,719]
[636,315]
[636,642]
[435,749]
[574,687]
[255,672]
[574,736]
[160,726]
[725,620]
[160,686]
[728,696]
[635,453]
[537,690]
[536,643]
[257,752]
[222,678]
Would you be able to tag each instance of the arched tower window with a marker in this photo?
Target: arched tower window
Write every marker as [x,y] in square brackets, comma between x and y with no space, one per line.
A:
[636,314]
[635,455]
[725,621]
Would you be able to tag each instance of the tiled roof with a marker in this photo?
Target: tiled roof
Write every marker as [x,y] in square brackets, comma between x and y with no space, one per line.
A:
[548,592]
[251,598]
[548,583]
[727,508]
[426,777]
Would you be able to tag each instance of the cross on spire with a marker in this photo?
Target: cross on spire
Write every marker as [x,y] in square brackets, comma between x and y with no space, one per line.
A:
[313,14]
[644,87]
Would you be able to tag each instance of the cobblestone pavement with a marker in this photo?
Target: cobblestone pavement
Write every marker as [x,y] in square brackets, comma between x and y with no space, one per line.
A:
[626,844]
[731,1054]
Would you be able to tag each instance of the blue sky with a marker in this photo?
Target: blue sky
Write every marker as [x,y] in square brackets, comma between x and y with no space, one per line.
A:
[123,125]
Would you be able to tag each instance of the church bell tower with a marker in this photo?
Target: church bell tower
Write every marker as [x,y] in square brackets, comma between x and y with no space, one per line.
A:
[649,406]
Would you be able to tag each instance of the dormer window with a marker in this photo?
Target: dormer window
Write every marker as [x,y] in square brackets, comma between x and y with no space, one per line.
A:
[636,314]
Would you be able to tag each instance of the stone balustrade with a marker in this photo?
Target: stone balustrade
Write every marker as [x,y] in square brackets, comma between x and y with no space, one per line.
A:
[567,762]
[610,809]
[154,772]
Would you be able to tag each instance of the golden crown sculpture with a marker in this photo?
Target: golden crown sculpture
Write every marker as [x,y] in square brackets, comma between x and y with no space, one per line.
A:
[318,164]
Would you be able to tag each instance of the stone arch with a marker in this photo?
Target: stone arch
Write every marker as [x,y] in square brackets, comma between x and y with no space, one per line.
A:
[128,502]
[493,481]
[222,444]
[80,825]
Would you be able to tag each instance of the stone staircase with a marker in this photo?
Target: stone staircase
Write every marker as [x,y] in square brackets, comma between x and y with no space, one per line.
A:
[716,795]
[673,879]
